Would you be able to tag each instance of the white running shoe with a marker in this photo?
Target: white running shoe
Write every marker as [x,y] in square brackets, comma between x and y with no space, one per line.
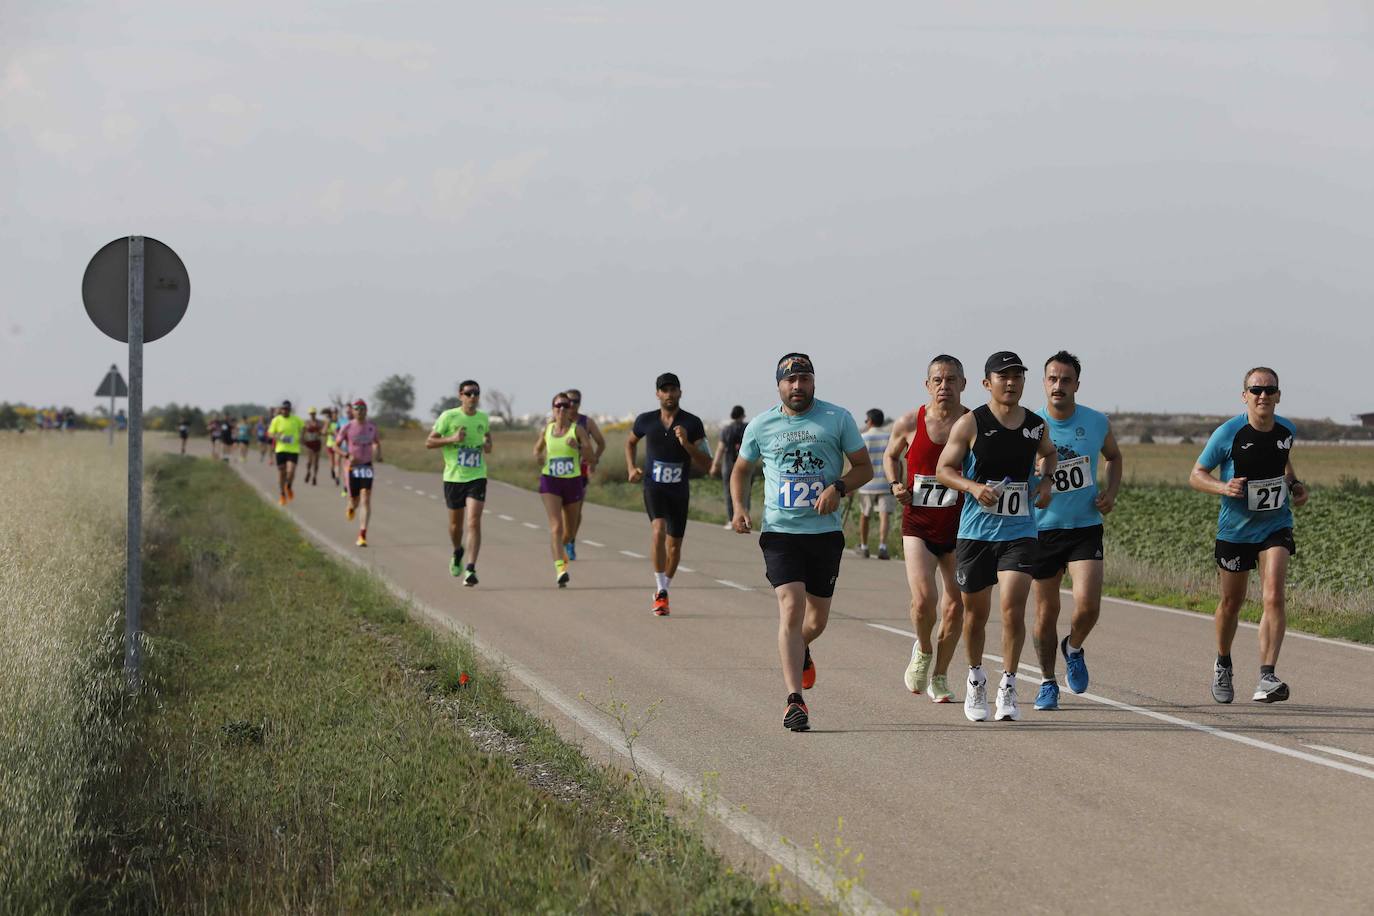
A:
[917,670]
[1006,704]
[976,702]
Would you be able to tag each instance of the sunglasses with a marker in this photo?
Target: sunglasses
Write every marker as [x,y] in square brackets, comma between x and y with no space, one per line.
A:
[577,400]
[470,393]
[562,405]
[1263,389]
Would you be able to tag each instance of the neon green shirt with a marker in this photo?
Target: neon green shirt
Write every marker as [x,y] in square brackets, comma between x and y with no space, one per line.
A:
[468,461]
[560,458]
[286,432]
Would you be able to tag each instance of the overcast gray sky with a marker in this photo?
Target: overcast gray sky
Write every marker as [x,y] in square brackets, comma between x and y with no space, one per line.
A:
[546,196]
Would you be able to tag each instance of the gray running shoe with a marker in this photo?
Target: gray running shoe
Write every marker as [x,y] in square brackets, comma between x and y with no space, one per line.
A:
[1222,691]
[1270,690]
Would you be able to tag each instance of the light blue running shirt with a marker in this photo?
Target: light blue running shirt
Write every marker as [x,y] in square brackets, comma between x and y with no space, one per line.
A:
[802,455]
[1079,441]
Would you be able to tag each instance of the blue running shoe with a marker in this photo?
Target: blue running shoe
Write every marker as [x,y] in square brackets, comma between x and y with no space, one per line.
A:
[571,550]
[1048,697]
[1075,667]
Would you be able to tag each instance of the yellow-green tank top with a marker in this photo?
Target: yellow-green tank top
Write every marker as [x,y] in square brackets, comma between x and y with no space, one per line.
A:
[561,459]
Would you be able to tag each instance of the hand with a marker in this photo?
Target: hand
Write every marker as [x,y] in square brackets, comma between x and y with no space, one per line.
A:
[636,475]
[1044,493]
[462,434]
[1105,502]
[681,434]
[902,494]
[986,495]
[741,523]
[1234,487]
[1299,494]
[570,442]
[829,501]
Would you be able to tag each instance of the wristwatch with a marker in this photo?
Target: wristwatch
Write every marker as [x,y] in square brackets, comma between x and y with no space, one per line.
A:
[840,487]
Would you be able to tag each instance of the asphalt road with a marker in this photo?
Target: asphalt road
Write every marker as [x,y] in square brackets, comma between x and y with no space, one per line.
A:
[1141,796]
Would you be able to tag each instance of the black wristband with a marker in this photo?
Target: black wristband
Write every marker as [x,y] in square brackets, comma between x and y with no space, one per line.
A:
[840,487]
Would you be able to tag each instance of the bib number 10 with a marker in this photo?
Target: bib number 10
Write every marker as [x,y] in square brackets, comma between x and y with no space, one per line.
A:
[1012,501]
[799,492]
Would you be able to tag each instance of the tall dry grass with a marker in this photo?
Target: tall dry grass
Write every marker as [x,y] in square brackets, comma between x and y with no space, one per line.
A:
[61,607]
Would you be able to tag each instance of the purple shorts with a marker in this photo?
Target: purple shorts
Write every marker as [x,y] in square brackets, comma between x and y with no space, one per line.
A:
[569,489]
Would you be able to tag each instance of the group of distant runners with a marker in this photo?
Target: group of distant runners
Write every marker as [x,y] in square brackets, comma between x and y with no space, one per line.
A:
[997,495]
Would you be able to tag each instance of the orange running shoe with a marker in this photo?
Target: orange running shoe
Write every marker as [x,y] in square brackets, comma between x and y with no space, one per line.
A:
[661,604]
[808,671]
[281,500]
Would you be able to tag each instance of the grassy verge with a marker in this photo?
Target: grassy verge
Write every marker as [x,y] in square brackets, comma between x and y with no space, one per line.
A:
[312,749]
[61,607]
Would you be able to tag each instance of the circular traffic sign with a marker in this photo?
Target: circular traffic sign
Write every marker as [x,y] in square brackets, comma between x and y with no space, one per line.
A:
[166,289]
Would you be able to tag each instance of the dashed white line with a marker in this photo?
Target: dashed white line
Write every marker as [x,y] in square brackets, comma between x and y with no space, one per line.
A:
[407,486]
[530,525]
[594,543]
[685,569]
[1349,755]
[432,496]
[1174,720]
[418,492]
[631,553]
[505,518]
[743,588]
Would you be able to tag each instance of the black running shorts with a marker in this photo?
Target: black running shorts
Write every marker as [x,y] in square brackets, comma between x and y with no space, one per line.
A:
[812,559]
[669,504]
[1061,546]
[977,563]
[456,495]
[288,458]
[1234,557]
[359,478]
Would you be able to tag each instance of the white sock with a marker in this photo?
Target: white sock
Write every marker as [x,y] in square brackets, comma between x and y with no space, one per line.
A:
[976,675]
[661,580]
[1047,680]
[1072,650]
[1008,679]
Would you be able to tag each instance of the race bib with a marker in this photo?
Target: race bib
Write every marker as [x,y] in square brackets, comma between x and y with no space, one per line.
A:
[666,472]
[799,491]
[287,438]
[929,493]
[1014,501]
[561,467]
[1266,495]
[362,473]
[1073,474]
[469,457]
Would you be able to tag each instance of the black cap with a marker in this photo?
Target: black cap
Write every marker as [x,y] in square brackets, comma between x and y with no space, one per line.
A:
[1002,361]
[795,364]
[667,380]
[286,404]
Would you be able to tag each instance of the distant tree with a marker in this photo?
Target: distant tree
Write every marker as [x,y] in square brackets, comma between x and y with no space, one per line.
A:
[502,406]
[9,417]
[395,397]
[444,404]
[245,410]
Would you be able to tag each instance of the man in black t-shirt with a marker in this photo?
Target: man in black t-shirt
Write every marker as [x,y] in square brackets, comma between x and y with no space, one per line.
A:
[731,437]
[674,444]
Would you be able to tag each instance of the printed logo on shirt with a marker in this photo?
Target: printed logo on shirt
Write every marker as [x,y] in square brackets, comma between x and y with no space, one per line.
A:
[1232,564]
[1033,433]
[1286,444]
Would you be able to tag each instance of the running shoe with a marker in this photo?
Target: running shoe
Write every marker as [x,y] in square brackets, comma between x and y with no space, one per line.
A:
[281,500]
[917,670]
[797,718]
[564,579]
[882,552]
[362,540]
[290,494]
[1006,704]
[455,563]
[470,577]
[571,550]
[1048,697]
[349,512]
[661,604]
[315,482]
[863,551]
[976,702]
[808,671]
[1222,691]
[1270,690]
[1076,668]
[939,689]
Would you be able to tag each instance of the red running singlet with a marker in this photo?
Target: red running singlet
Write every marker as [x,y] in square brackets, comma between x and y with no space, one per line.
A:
[933,515]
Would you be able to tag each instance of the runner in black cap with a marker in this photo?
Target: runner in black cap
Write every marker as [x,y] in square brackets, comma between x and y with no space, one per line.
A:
[674,443]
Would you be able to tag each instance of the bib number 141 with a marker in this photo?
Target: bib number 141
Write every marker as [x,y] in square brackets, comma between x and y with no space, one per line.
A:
[797,492]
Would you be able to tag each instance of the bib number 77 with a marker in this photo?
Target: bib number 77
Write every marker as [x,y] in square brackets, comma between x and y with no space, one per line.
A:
[799,492]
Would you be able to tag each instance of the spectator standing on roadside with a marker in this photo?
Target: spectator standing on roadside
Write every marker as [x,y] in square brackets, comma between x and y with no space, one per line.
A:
[877,493]
[731,436]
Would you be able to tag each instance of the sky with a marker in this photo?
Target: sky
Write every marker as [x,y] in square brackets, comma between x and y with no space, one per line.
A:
[564,195]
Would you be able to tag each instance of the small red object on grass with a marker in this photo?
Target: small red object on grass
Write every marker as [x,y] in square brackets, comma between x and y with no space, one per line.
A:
[463,679]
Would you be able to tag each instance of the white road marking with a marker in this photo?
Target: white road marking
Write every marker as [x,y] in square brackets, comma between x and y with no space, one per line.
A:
[685,569]
[824,880]
[743,588]
[407,486]
[432,496]
[530,525]
[1207,618]
[631,553]
[505,518]
[1349,755]
[418,492]
[594,543]
[1174,720]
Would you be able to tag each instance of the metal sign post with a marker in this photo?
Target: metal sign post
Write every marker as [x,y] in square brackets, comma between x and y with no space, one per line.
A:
[113,291]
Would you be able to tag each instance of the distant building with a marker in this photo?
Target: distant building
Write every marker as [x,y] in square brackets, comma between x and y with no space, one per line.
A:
[1366,419]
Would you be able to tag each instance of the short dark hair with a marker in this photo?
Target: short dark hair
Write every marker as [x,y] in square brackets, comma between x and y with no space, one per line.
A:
[574,393]
[946,359]
[1246,381]
[1068,359]
[875,416]
[737,412]
[466,382]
